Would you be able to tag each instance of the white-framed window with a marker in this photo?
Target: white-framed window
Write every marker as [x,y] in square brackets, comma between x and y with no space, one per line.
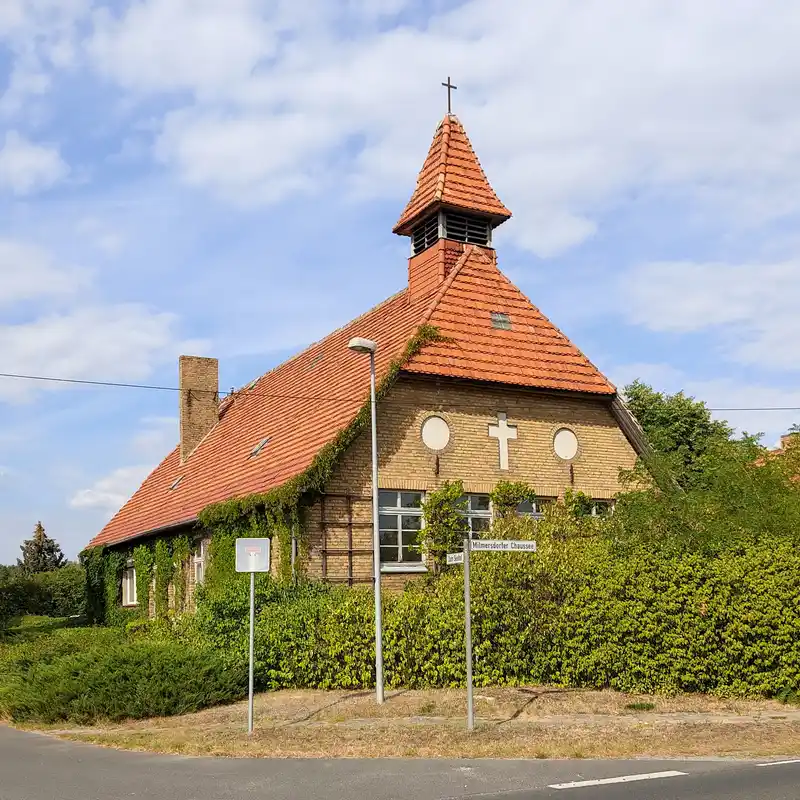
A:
[536,508]
[199,561]
[400,521]
[478,511]
[129,585]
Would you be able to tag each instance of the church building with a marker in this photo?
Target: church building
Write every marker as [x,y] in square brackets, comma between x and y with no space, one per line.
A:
[476,385]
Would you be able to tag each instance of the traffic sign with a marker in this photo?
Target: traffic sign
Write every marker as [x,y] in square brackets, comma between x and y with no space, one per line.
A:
[252,555]
[455,558]
[504,545]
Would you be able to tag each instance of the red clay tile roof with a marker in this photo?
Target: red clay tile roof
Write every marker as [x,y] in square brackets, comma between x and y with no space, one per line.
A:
[532,353]
[451,176]
[302,404]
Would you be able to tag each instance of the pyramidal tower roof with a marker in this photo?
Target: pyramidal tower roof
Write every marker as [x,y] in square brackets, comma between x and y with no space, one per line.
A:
[451,176]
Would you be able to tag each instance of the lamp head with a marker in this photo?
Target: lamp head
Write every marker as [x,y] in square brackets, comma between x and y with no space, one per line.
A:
[360,345]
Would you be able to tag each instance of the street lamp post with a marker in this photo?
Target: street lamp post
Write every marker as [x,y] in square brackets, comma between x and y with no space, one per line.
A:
[360,345]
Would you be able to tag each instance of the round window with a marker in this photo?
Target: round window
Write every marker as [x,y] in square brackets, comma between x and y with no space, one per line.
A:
[565,444]
[435,433]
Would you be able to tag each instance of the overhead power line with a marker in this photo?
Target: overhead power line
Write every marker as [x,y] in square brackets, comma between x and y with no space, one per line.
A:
[276,395]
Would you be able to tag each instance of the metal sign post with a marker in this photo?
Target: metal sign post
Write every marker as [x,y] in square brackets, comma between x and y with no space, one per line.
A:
[492,546]
[468,638]
[252,555]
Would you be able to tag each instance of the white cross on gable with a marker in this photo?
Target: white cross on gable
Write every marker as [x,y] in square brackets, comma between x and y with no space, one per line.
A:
[503,432]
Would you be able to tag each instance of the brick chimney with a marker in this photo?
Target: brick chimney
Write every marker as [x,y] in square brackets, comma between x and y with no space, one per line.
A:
[427,270]
[198,381]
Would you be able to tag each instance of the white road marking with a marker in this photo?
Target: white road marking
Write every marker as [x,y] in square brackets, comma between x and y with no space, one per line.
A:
[778,763]
[647,776]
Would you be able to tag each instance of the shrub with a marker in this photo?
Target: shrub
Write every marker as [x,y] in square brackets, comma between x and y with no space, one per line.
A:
[129,680]
[581,611]
[61,592]
[58,593]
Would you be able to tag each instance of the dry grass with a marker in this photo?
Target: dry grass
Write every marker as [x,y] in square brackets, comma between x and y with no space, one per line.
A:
[512,723]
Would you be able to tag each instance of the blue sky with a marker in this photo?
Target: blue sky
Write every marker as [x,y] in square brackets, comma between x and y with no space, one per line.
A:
[191,176]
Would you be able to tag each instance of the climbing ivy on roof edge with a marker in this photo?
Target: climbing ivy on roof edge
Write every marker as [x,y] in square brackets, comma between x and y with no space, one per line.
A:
[277,512]
[274,514]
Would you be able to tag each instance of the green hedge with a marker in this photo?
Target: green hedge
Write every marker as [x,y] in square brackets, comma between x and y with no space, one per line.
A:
[578,613]
[91,674]
[59,593]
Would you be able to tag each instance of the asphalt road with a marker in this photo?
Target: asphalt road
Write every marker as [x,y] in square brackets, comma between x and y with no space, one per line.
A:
[34,767]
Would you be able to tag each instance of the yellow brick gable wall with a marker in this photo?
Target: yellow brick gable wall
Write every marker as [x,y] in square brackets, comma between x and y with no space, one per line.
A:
[341,545]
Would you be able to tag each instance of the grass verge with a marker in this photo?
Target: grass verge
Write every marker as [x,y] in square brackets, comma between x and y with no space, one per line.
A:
[512,723]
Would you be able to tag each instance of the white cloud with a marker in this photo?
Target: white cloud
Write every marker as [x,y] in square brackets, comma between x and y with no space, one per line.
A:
[156,438]
[28,271]
[172,45]
[111,491]
[150,444]
[753,308]
[26,167]
[113,342]
[572,106]
[231,156]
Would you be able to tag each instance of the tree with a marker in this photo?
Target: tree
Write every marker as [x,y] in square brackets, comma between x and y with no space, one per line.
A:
[680,429]
[41,553]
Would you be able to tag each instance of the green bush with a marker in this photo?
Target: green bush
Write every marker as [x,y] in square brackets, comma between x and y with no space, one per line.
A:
[58,593]
[126,680]
[581,611]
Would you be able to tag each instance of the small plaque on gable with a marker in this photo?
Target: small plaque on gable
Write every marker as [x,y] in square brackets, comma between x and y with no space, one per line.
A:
[252,555]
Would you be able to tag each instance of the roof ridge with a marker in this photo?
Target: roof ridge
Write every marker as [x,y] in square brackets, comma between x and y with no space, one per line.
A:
[468,250]
[440,181]
[320,341]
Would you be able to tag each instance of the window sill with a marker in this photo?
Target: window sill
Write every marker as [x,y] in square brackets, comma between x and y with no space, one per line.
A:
[130,605]
[389,569]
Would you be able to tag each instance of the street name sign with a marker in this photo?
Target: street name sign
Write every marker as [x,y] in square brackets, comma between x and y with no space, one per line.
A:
[504,545]
[491,546]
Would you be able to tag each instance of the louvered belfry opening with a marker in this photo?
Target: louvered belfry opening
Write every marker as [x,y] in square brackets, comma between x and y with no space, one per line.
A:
[425,234]
[467,228]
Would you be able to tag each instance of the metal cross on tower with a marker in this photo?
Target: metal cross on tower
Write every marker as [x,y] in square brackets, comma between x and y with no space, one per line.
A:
[450,88]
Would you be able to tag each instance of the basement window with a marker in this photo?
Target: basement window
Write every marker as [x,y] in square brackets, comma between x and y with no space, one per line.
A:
[176,483]
[425,234]
[467,228]
[501,321]
[259,447]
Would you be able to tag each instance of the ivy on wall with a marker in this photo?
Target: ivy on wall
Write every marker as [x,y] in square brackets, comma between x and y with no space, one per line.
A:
[181,550]
[143,562]
[278,512]
[507,495]
[445,525]
[274,514]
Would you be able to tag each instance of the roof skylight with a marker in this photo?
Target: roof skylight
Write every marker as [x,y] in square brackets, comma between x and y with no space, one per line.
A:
[175,483]
[259,447]
[501,321]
